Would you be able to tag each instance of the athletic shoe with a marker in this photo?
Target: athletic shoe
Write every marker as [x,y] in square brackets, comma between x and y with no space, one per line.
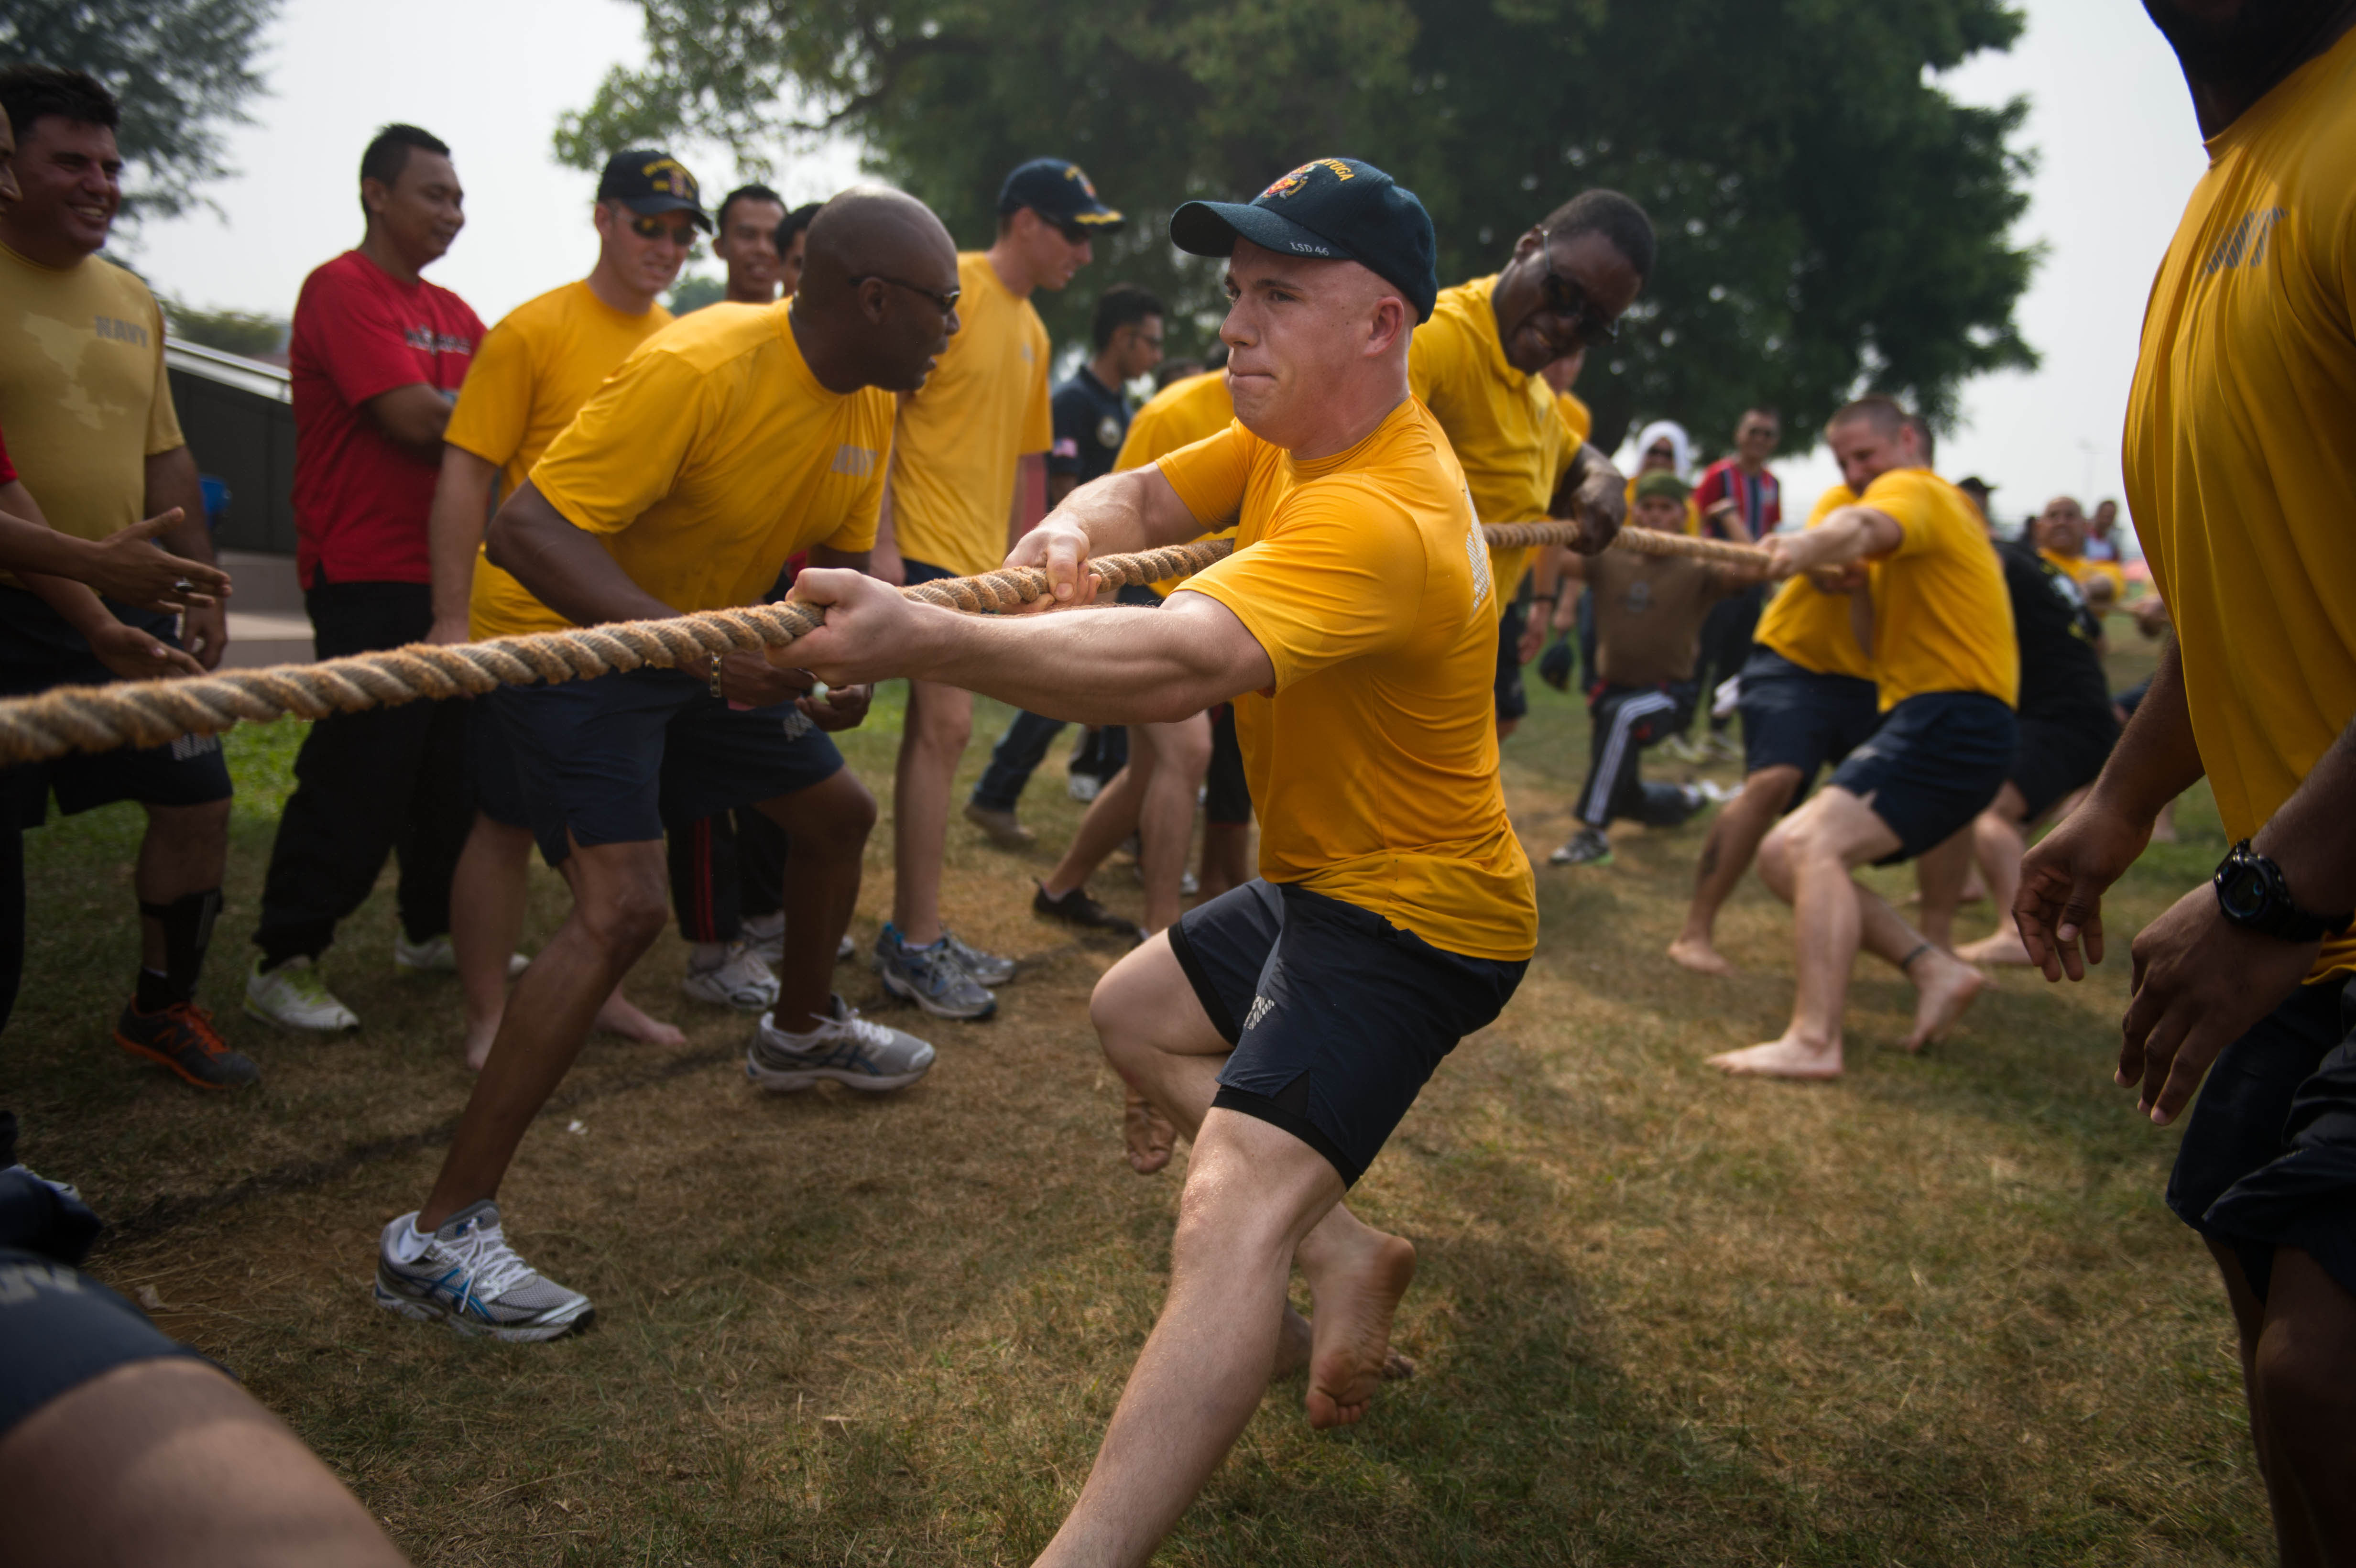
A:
[844,949]
[293,996]
[1076,907]
[1587,848]
[1682,749]
[931,977]
[1721,747]
[1000,827]
[1083,786]
[469,1278]
[854,1052]
[183,1039]
[989,968]
[740,980]
[764,936]
[435,955]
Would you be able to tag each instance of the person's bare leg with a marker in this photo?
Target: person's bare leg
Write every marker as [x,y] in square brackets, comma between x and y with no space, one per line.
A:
[2303,1389]
[1944,986]
[1178,755]
[1226,858]
[488,895]
[1998,843]
[2294,1537]
[826,835]
[1939,873]
[621,902]
[184,851]
[1105,826]
[1725,854]
[617,1014]
[939,724]
[169,1462]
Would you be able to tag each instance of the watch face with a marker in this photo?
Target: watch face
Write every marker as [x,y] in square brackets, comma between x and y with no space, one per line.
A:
[2242,889]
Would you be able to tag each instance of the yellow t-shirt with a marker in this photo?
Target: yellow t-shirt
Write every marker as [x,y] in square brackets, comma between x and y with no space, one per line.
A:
[1505,428]
[1374,757]
[2078,568]
[530,376]
[1577,415]
[1186,410]
[2241,444]
[711,455]
[1810,627]
[84,398]
[984,406]
[1942,616]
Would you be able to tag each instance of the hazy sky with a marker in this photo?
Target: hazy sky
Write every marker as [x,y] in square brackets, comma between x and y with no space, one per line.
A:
[2117,155]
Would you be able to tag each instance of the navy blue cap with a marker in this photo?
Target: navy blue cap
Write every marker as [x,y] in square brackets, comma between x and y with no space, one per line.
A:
[649,181]
[1059,192]
[1335,208]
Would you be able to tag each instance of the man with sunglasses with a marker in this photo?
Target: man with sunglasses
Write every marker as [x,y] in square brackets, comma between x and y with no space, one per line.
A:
[968,478]
[1478,363]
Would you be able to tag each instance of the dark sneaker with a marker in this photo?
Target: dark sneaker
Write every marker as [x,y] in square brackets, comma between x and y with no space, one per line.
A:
[1076,907]
[1000,827]
[1587,848]
[182,1037]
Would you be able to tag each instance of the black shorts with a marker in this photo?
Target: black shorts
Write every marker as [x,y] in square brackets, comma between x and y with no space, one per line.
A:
[38,650]
[491,760]
[1337,1016]
[2054,757]
[2269,1153]
[1226,791]
[1512,699]
[915,572]
[1794,718]
[60,1329]
[610,759]
[1934,764]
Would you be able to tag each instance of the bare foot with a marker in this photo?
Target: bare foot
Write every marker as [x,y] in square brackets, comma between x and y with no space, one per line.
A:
[1975,889]
[1786,1058]
[1148,1134]
[621,1016]
[1292,1346]
[1697,955]
[2002,948]
[1945,988]
[480,1032]
[1356,1294]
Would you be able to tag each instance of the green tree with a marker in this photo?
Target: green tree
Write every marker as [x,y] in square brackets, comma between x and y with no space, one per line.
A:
[695,291]
[1831,221]
[253,334]
[183,70]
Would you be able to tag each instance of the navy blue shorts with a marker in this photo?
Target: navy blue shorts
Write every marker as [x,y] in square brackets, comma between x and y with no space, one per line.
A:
[1337,1016]
[608,760]
[1934,764]
[60,1329]
[1794,718]
[2055,757]
[1513,696]
[915,572]
[2269,1153]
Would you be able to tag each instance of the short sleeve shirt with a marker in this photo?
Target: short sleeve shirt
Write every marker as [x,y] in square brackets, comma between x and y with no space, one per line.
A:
[1091,422]
[1191,408]
[1374,757]
[1757,497]
[2061,675]
[1810,627]
[361,502]
[1941,619]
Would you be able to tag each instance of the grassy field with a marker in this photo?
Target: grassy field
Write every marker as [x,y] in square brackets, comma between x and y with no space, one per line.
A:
[1932,1314]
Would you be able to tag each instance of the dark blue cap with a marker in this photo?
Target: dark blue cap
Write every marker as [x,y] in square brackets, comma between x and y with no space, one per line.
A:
[1059,192]
[1335,208]
[649,181]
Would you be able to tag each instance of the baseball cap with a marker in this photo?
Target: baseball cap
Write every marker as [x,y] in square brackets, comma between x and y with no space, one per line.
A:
[1661,485]
[648,181]
[1335,208]
[1058,190]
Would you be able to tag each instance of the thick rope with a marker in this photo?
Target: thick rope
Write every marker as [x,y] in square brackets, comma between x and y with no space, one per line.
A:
[151,712]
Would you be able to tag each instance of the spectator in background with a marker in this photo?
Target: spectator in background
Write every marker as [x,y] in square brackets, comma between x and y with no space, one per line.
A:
[1978,491]
[2101,544]
[792,241]
[97,443]
[968,478]
[1090,414]
[535,369]
[2061,534]
[376,356]
[1741,503]
[746,243]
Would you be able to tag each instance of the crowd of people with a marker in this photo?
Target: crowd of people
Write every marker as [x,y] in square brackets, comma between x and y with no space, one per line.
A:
[872,407]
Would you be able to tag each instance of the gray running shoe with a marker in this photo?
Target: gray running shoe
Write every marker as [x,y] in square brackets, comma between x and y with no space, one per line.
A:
[1585,848]
[854,1052]
[740,980]
[932,977]
[765,937]
[989,969]
[469,1278]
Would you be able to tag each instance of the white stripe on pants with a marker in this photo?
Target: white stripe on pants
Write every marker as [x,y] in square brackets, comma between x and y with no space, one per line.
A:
[1596,809]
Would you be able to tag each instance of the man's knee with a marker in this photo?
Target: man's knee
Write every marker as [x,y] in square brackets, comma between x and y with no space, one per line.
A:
[1775,859]
[2306,1363]
[624,909]
[191,828]
[830,820]
[1183,748]
[941,716]
[1772,787]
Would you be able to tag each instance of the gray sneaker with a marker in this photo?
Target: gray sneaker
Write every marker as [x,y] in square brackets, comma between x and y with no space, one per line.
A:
[987,967]
[739,980]
[931,977]
[854,1052]
[469,1278]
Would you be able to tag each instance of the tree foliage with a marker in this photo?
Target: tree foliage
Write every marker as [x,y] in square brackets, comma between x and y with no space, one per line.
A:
[1831,221]
[254,333]
[182,68]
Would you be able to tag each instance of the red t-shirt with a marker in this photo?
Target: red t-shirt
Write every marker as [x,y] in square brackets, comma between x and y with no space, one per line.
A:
[361,502]
[1758,500]
[7,469]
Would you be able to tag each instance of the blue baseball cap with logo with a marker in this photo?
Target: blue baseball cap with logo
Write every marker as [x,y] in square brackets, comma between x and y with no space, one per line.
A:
[649,181]
[1338,208]
[1058,190]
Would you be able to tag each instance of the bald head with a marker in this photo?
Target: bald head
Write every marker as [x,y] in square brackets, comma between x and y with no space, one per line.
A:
[869,229]
[875,304]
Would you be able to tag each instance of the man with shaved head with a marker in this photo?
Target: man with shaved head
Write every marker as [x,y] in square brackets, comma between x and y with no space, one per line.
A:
[725,443]
[1289,1024]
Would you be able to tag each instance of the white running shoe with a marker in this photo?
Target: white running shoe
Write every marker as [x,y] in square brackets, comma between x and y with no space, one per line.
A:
[854,1052]
[764,936]
[468,1277]
[435,955]
[293,996]
[741,981]
[1083,787]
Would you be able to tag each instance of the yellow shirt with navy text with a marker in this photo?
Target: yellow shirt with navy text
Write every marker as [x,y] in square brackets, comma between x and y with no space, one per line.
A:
[711,455]
[1372,758]
[1180,414]
[1809,626]
[531,376]
[1942,616]
[960,435]
[1504,427]
[2241,444]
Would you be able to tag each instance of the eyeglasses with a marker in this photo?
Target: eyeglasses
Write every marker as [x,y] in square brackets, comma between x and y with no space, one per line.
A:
[1566,299]
[680,234]
[948,301]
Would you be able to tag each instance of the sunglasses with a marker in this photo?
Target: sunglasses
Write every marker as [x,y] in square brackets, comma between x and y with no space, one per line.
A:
[948,301]
[680,234]
[1566,299]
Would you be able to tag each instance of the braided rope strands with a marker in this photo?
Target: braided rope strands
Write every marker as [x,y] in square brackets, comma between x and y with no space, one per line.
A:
[1643,541]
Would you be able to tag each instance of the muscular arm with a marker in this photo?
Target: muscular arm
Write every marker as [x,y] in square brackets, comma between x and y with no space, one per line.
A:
[1849,534]
[1131,510]
[413,417]
[564,567]
[462,501]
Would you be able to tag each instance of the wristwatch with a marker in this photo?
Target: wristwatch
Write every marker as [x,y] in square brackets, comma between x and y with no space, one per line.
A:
[2252,894]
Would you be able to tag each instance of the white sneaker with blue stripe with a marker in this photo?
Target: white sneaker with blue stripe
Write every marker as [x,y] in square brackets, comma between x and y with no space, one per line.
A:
[856,1053]
[465,1275]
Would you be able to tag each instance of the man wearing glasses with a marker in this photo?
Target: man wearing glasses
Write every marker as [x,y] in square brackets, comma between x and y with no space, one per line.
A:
[1477,365]
[968,478]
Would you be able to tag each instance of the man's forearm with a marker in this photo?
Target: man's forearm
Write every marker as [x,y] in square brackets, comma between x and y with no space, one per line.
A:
[2313,837]
[1120,514]
[564,568]
[2157,758]
[173,481]
[1108,666]
[461,505]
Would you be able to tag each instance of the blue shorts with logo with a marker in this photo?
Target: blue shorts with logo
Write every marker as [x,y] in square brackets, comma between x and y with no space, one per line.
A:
[1934,764]
[1794,718]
